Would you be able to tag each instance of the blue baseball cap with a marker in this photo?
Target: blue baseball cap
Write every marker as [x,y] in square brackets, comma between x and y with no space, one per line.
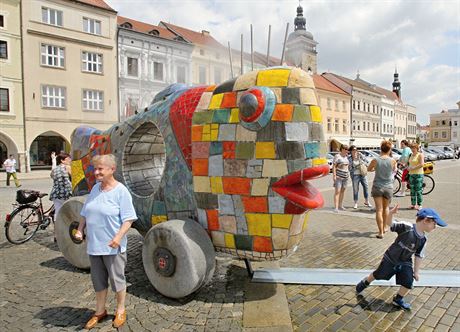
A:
[432,214]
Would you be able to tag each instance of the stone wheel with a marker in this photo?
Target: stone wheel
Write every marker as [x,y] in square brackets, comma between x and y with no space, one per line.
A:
[65,226]
[178,257]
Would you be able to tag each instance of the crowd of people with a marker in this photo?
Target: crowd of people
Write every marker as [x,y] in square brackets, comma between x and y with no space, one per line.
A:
[349,163]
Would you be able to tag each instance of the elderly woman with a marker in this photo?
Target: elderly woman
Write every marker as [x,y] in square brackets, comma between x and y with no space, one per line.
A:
[107,214]
[358,174]
[415,162]
[340,177]
[382,188]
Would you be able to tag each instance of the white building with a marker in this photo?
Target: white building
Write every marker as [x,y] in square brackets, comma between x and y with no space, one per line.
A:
[150,58]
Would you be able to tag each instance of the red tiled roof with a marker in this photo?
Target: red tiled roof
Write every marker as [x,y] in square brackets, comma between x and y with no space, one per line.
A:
[194,37]
[324,84]
[389,94]
[146,28]
[97,3]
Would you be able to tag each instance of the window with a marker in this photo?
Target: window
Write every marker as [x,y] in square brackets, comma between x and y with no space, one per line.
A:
[202,75]
[344,126]
[133,68]
[435,134]
[359,105]
[3,49]
[336,105]
[336,125]
[354,104]
[2,21]
[53,96]
[93,100]
[444,134]
[329,124]
[455,123]
[328,103]
[217,75]
[91,26]
[373,127]
[201,52]
[4,100]
[52,16]
[443,122]
[52,56]
[180,74]
[344,106]
[454,134]
[354,124]
[91,62]
[158,71]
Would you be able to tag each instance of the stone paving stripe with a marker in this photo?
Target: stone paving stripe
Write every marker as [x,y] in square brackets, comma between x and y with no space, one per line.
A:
[266,306]
[428,278]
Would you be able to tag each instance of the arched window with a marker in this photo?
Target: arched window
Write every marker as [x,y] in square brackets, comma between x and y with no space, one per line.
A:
[154,32]
[126,25]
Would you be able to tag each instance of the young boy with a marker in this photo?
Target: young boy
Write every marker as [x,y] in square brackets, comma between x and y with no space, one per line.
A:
[398,257]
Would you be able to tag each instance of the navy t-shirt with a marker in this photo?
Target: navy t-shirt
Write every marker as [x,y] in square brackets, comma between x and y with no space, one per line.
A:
[407,244]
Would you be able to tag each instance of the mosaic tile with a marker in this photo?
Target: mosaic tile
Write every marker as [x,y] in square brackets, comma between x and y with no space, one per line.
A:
[230,241]
[273,132]
[245,135]
[221,116]
[234,167]
[201,184]
[255,204]
[229,100]
[290,96]
[283,112]
[297,131]
[215,148]
[295,165]
[296,224]
[245,81]
[226,205]
[290,150]
[259,224]
[200,167]
[213,220]
[273,77]
[243,242]
[227,86]
[216,100]
[200,149]
[244,150]
[312,150]
[262,244]
[308,96]
[280,238]
[274,168]
[204,101]
[227,132]
[281,220]
[204,117]
[265,150]
[315,113]
[254,168]
[300,78]
[228,224]
[216,185]
[234,116]
[236,186]
[260,187]
[216,166]
[206,200]
[218,239]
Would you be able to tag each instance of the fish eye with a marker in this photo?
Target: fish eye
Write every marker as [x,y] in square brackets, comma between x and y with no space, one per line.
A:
[256,107]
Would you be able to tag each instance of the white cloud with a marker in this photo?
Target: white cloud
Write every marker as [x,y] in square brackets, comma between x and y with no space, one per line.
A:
[372,36]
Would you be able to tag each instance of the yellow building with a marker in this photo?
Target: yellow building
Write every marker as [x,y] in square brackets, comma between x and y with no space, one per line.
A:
[335,109]
[11,110]
[440,128]
[70,76]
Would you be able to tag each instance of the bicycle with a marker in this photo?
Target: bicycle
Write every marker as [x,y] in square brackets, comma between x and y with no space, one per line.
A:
[27,217]
[428,182]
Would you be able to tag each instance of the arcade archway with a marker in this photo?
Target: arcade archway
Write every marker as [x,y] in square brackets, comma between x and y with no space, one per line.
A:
[7,147]
[42,146]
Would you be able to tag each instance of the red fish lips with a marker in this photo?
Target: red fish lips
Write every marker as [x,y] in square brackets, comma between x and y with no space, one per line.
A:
[296,189]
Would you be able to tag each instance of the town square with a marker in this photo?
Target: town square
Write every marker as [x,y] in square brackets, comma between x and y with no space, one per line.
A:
[194,166]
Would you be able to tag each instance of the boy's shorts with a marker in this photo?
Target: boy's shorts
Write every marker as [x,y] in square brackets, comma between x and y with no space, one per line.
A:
[404,273]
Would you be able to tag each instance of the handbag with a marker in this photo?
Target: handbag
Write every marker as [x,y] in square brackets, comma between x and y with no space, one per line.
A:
[363,169]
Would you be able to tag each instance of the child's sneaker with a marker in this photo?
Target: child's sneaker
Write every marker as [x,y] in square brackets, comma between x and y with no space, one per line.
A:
[399,302]
[362,285]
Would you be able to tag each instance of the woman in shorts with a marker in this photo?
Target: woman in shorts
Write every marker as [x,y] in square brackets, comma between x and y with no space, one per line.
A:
[340,176]
[382,188]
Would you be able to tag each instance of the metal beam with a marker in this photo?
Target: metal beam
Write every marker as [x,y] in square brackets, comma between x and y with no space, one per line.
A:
[428,278]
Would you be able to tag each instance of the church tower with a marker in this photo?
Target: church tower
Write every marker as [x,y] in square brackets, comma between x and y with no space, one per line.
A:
[396,84]
[300,46]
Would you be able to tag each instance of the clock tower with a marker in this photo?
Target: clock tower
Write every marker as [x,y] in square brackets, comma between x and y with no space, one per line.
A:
[300,46]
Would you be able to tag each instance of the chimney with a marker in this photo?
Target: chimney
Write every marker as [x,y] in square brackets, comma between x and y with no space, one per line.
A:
[205,33]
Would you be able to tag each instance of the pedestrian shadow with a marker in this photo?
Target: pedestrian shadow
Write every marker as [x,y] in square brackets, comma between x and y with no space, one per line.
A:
[349,234]
[72,318]
[60,263]
[375,304]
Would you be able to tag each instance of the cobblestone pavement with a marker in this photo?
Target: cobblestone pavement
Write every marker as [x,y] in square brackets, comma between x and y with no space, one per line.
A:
[41,291]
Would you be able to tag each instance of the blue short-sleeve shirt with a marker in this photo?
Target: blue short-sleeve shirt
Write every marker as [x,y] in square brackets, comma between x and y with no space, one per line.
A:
[105,212]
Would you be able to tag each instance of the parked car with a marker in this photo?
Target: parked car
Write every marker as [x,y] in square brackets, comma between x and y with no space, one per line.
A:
[429,156]
[439,154]
[330,158]
[447,155]
[369,155]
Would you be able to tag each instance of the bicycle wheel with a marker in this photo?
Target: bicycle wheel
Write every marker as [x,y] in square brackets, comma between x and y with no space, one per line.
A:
[23,224]
[396,185]
[428,185]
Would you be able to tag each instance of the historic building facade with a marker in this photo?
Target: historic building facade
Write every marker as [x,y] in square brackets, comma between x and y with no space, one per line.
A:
[150,58]
[70,70]
[335,110]
[445,127]
[11,108]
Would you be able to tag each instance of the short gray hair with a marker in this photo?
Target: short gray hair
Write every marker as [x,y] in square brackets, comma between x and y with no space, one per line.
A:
[106,159]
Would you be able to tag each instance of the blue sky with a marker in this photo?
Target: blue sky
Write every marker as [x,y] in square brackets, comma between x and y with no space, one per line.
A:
[420,37]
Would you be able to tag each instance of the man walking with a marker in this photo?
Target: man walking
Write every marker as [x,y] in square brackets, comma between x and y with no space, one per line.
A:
[10,167]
